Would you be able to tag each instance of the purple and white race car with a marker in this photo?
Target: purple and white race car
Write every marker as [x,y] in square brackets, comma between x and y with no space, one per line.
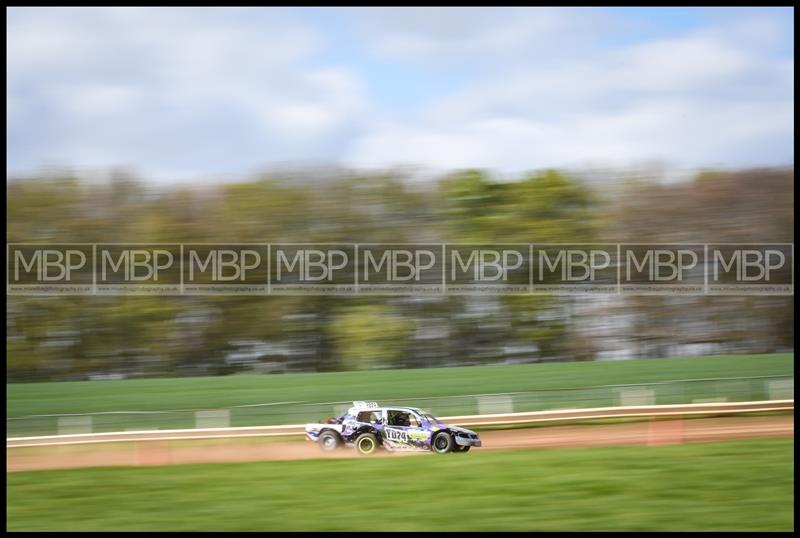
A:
[366,426]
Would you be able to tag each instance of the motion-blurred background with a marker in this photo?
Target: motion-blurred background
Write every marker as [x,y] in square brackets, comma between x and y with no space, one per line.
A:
[439,125]
[85,337]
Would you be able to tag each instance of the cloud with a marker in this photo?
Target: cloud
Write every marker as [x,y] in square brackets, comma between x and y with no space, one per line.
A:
[203,91]
[709,97]
[482,37]
[198,92]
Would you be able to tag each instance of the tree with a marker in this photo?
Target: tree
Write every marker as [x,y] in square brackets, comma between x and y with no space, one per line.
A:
[370,336]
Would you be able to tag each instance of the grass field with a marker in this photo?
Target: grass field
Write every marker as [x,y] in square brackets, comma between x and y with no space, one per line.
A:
[218,392]
[737,485]
[551,379]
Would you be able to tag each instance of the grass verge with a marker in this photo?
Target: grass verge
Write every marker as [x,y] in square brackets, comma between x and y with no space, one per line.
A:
[736,485]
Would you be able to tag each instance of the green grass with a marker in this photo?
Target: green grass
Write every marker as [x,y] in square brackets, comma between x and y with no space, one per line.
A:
[406,385]
[217,392]
[738,485]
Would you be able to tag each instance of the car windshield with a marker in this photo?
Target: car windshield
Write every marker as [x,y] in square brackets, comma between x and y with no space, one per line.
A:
[432,419]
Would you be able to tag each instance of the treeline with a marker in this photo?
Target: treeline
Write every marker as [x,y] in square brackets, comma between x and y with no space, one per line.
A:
[60,338]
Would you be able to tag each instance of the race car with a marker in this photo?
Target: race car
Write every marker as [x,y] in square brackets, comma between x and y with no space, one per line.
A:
[368,427]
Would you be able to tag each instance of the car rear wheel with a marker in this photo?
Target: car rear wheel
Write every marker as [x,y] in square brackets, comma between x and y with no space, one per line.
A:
[329,441]
[366,444]
[442,443]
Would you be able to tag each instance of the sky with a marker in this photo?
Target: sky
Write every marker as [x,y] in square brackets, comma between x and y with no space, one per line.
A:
[183,94]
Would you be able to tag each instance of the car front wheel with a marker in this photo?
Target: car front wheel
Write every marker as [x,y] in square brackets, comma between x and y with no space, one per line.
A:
[329,441]
[461,448]
[442,443]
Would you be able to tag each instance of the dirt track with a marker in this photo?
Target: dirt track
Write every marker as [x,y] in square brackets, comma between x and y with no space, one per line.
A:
[259,449]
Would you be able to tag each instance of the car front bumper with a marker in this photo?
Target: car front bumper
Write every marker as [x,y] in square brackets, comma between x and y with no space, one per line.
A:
[465,441]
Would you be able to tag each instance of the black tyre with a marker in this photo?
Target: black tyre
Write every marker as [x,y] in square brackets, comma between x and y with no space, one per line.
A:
[461,448]
[329,441]
[366,444]
[442,443]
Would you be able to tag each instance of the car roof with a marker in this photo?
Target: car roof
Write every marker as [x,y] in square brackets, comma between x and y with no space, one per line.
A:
[361,406]
[388,408]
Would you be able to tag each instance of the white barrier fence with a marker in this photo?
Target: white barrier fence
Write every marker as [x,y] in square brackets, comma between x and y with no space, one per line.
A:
[669,392]
[496,419]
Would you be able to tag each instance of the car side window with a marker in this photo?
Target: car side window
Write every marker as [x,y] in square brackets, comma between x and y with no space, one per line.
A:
[370,417]
[399,418]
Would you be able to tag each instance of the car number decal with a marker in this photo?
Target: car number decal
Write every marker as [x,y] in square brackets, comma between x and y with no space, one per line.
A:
[396,435]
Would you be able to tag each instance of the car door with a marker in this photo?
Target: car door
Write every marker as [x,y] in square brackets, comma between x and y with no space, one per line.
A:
[418,435]
[404,429]
[395,432]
